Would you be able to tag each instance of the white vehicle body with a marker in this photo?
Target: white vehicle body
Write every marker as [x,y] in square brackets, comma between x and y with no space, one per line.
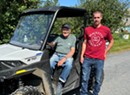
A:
[14,53]
[24,61]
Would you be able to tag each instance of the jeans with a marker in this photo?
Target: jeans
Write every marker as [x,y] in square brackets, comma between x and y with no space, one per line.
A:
[66,66]
[86,68]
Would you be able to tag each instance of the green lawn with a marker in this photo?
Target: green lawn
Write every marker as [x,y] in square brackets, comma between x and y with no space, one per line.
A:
[120,44]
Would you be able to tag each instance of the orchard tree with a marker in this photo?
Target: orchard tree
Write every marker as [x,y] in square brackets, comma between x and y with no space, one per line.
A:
[114,11]
[46,3]
[74,22]
[9,13]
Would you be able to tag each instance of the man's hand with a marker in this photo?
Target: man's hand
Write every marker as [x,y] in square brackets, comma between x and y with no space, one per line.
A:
[109,47]
[105,55]
[82,59]
[61,61]
[52,44]
[83,51]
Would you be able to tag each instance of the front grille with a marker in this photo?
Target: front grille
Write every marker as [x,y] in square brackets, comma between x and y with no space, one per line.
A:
[4,65]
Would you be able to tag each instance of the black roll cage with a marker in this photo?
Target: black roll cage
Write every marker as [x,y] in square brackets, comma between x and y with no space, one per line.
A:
[59,12]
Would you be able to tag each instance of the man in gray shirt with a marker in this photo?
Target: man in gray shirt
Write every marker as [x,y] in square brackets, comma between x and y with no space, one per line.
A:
[65,48]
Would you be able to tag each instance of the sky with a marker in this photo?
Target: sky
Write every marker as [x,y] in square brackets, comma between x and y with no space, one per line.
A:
[68,2]
[74,2]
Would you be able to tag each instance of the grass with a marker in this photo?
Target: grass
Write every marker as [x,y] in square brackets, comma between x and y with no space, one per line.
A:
[120,44]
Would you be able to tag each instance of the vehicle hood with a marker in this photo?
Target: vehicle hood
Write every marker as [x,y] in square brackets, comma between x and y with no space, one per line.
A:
[11,52]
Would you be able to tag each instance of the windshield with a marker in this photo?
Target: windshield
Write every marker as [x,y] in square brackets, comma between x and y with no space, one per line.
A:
[31,30]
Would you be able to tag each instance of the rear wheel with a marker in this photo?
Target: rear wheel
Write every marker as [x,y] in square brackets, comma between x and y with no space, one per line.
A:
[27,90]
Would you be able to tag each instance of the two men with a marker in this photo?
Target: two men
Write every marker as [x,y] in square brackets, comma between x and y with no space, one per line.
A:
[94,52]
[65,48]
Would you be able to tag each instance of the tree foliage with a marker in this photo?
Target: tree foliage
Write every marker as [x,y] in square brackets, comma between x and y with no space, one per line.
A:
[113,11]
[50,3]
[9,13]
[74,22]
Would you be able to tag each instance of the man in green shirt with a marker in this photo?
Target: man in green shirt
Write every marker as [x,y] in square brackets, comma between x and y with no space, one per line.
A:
[65,48]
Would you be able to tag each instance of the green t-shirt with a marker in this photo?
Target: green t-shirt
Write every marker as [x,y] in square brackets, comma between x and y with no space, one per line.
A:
[64,45]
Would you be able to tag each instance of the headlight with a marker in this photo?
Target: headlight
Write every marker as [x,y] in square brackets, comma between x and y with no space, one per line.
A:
[9,64]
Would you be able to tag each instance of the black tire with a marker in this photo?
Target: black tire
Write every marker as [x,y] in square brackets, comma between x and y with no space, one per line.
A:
[27,90]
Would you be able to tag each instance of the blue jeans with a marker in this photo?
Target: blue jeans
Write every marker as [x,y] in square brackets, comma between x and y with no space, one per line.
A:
[86,68]
[66,66]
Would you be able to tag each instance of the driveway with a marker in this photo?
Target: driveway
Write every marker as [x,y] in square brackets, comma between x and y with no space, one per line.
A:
[117,74]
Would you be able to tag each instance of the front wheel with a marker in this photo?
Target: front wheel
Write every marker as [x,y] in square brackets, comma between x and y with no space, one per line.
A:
[26,90]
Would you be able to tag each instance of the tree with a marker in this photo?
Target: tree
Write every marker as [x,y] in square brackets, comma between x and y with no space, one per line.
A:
[59,21]
[9,12]
[49,3]
[113,11]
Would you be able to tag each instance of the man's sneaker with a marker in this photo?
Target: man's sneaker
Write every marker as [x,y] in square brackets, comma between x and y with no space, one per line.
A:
[59,88]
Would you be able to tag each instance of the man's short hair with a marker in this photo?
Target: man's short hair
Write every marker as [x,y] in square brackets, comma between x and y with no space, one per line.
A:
[98,11]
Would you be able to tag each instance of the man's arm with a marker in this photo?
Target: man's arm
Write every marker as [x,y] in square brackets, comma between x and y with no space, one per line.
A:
[70,54]
[51,44]
[83,51]
[111,42]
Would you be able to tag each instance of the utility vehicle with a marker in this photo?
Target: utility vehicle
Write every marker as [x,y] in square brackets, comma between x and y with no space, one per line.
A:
[24,61]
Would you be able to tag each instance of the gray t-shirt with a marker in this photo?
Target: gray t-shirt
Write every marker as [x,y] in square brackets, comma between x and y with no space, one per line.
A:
[64,45]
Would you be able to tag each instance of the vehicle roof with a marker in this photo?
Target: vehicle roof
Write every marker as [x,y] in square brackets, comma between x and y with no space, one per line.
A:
[62,11]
